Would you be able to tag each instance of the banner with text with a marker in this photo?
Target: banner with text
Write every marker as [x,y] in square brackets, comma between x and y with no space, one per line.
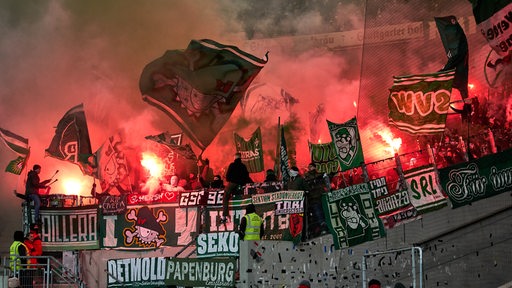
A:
[478,179]
[251,151]
[162,272]
[69,229]
[325,157]
[393,208]
[223,244]
[280,212]
[425,192]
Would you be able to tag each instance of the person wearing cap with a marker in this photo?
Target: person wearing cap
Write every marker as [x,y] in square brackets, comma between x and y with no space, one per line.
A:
[304,284]
[32,187]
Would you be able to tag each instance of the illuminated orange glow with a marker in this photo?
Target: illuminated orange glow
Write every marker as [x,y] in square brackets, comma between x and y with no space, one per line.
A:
[155,167]
[72,186]
[153,164]
[355,104]
[471,86]
[394,143]
[319,141]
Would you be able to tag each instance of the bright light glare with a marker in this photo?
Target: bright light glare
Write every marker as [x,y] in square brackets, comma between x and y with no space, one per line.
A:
[72,186]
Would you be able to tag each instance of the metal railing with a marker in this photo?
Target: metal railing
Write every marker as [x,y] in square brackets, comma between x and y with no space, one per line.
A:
[47,272]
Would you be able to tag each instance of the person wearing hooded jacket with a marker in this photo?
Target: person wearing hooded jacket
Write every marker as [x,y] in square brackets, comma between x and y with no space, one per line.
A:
[237,176]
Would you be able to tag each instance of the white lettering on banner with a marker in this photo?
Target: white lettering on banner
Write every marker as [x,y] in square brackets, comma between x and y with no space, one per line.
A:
[136,270]
[393,202]
[215,197]
[191,198]
[289,207]
[466,183]
[110,239]
[218,273]
[277,196]
[378,187]
[501,179]
[76,227]
[218,243]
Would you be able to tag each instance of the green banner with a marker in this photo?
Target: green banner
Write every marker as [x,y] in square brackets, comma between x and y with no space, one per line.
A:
[70,229]
[418,104]
[218,244]
[347,143]
[251,151]
[478,179]
[162,272]
[351,216]
[282,219]
[325,157]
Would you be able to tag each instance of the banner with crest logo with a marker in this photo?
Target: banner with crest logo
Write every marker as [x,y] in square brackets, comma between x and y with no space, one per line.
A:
[347,143]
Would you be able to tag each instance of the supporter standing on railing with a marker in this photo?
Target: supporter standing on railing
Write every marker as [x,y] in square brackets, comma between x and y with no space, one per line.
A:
[318,184]
[32,189]
[237,176]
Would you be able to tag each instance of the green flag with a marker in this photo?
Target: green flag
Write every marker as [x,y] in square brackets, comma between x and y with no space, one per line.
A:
[251,151]
[20,146]
[418,104]
[200,87]
[71,141]
[16,165]
[456,47]
[347,143]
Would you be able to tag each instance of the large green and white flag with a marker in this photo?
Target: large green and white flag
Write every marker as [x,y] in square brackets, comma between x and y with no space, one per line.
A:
[347,143]
[19,145]
[199,87]
[418,104]
[251,151]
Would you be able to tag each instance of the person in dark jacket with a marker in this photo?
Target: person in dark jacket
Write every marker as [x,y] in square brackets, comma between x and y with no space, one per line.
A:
[237,176]
[32,189]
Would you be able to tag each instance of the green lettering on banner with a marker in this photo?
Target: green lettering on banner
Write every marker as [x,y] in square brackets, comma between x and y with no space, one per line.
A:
[424,190]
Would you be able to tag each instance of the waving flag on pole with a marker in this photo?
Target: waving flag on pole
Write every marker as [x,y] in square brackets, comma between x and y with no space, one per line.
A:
[173,141]
[346,140]
[283,156]
[19,145]
[456,47]
[71,141]
[493,18]
[200,87]
[251,151]
[418,104]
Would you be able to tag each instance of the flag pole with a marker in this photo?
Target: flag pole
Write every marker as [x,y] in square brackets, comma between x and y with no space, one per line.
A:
[278,148]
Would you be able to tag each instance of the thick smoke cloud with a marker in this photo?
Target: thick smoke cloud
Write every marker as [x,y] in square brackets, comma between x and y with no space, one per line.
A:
[56,54]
